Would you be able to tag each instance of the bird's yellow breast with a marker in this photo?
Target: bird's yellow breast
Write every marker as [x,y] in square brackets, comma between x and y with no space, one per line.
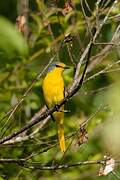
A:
[53,88]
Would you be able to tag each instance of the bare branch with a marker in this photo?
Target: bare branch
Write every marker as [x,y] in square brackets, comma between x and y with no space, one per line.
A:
[73,90]
[38,165]
[12,111]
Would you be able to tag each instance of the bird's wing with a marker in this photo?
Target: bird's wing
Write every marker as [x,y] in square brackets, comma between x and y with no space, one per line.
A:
[51,114]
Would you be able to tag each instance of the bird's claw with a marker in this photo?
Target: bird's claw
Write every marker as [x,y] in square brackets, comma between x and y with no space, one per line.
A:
[57,108]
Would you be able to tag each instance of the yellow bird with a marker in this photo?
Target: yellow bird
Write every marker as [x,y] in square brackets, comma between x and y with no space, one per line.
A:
[53,90]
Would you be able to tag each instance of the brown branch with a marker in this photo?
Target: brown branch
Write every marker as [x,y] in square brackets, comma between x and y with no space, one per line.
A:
[38,165]
[39,75]
[116,175]
[35,131]
[104,20]
[86,18]
[41,125]
[101,55]
[107,43]
[105,70]
[64,166]
[22,20]
[16,161]
[53,109]
[78,81]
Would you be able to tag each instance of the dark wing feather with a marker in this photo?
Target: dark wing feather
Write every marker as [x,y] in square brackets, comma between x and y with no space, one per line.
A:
[51,114]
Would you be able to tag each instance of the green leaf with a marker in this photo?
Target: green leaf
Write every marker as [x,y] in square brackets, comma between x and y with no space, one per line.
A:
[11,41]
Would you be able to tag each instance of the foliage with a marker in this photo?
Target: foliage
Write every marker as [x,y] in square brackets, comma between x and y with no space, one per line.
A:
[63,31]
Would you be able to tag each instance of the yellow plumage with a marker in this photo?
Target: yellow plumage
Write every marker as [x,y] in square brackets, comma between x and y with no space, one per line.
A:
[53,90]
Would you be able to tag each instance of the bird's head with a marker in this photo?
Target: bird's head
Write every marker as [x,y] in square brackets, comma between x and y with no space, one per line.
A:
[58,67]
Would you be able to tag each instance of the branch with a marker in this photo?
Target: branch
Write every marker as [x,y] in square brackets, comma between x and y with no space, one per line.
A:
[16,161]
[77,83]
[12,111]
[38,165]
[101,55]
[30,136]
[65,166]
[53,109]
[22,10]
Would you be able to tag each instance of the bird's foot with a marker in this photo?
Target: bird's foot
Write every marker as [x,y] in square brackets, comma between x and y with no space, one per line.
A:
[65,111]
[57,108]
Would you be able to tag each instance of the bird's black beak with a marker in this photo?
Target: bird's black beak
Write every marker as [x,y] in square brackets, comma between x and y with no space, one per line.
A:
[67,67]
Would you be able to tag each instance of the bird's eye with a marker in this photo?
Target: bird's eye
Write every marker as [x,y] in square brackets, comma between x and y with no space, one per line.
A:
[58,66]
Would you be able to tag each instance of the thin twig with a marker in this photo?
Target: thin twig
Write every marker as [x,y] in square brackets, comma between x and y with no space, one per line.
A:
[11,112]
[116,175]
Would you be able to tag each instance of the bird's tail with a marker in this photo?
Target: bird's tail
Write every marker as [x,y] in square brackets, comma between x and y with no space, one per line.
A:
[59,117]
[61,136]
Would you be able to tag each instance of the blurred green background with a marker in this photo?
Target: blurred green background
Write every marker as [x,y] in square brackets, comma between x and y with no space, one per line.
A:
[23,56]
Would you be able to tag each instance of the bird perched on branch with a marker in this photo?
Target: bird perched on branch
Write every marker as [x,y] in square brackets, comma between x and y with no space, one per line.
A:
[53,90]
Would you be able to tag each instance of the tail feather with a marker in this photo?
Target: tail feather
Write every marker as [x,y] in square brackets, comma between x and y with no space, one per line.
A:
[61,136]
[59,117]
